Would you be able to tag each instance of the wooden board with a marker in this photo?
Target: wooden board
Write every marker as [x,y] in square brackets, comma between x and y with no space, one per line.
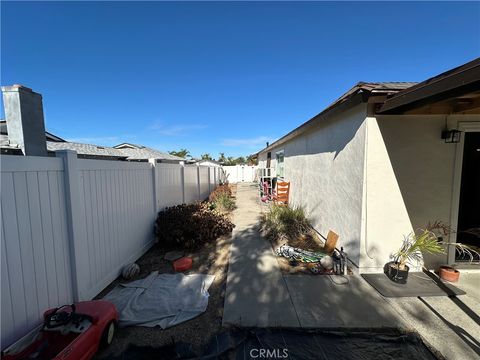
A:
[331,242]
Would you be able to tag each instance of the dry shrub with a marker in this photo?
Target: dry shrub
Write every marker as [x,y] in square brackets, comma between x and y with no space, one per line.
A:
[290,224]
[224,203]
[188,227]
[221,190]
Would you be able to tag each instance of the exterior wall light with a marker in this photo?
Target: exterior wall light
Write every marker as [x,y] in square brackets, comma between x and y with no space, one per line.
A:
[451,136]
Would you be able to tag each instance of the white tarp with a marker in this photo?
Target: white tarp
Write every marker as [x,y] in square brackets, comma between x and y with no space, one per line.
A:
[164,300]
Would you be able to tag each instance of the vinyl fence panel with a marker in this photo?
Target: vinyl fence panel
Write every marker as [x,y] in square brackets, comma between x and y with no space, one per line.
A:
[240,173]
[212,180]
[169,185]
[204,182]
[69,225]
[191,184]
[35,258]
[119,213]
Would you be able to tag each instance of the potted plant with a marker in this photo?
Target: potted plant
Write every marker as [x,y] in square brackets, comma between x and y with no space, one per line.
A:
[411,250]
[441,230]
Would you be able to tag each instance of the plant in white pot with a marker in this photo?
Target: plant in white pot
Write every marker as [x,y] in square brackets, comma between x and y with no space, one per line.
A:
[410,251]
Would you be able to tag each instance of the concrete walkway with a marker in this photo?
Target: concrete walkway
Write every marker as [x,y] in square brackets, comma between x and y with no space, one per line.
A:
[257,295]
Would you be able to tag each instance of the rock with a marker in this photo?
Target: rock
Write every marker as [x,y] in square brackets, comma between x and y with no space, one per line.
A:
[327,262]
[173,255]
[130,271]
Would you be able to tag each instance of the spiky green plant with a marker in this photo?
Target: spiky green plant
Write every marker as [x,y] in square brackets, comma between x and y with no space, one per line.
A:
[416,243]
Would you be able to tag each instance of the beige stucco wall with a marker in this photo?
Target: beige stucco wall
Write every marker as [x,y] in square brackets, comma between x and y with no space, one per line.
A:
[326,167]
[410,171]
[373,179]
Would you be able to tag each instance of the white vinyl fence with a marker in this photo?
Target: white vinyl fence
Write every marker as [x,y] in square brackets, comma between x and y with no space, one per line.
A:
[69,225]
[240,173]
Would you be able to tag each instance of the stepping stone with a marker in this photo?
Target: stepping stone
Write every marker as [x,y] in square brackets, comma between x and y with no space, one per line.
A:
[173,255]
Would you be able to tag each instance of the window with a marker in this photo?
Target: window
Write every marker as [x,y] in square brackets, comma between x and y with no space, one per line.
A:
[280,164]
[269,157]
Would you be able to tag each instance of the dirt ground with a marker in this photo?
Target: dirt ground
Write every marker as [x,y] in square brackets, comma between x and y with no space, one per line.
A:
[310,242]
[211,259]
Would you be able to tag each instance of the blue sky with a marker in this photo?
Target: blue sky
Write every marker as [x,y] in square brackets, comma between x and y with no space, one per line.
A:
[218,77]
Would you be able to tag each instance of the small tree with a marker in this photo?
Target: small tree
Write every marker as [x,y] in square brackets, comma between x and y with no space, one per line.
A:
[183,153]
[206,156]
[222,158]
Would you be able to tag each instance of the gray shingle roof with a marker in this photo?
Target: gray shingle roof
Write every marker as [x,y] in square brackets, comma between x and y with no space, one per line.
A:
[122,151]
[85,149]
[147,153]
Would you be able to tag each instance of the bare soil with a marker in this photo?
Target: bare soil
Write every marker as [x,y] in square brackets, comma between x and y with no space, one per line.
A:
[211,259]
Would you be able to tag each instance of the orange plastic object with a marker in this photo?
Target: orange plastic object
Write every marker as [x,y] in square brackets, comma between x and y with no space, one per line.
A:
[182,264]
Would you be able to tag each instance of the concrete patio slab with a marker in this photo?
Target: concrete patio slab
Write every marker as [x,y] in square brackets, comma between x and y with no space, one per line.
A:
[340,302]
[451,326]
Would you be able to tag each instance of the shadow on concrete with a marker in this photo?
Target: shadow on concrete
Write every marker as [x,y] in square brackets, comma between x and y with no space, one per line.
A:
[466,337]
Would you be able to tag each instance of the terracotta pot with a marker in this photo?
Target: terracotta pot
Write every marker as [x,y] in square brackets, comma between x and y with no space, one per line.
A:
[449,274]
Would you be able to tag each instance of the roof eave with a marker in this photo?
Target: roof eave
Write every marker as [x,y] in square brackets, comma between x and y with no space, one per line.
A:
[463,78]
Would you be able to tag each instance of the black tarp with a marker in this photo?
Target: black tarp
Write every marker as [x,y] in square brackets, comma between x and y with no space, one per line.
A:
[240,344]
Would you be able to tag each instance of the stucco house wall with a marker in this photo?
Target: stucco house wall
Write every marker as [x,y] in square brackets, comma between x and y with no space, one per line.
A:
[325,167]
[373,180]
[420,168]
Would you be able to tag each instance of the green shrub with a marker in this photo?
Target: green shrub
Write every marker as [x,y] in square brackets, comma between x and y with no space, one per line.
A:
[190,226]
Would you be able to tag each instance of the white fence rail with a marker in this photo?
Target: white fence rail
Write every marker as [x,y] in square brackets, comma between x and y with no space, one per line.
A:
[69,225]
[240,173]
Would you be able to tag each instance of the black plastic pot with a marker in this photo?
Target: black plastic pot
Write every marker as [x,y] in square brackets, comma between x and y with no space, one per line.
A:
[395,274]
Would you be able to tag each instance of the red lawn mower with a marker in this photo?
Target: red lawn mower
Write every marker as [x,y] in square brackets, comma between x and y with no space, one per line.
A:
[70,332]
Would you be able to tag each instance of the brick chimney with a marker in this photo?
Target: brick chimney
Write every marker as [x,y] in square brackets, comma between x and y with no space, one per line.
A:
[24,116]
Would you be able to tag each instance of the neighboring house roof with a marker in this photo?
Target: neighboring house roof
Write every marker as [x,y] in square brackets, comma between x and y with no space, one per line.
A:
[360,91]
[86,149]
[4,133]
[139,152]
[208,161]
[452,84]
[125,151]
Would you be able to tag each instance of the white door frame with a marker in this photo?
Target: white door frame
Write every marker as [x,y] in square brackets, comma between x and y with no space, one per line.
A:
[457,182]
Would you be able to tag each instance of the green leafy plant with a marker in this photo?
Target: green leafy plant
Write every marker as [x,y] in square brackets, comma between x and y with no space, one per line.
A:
[413,245]
[429,240]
